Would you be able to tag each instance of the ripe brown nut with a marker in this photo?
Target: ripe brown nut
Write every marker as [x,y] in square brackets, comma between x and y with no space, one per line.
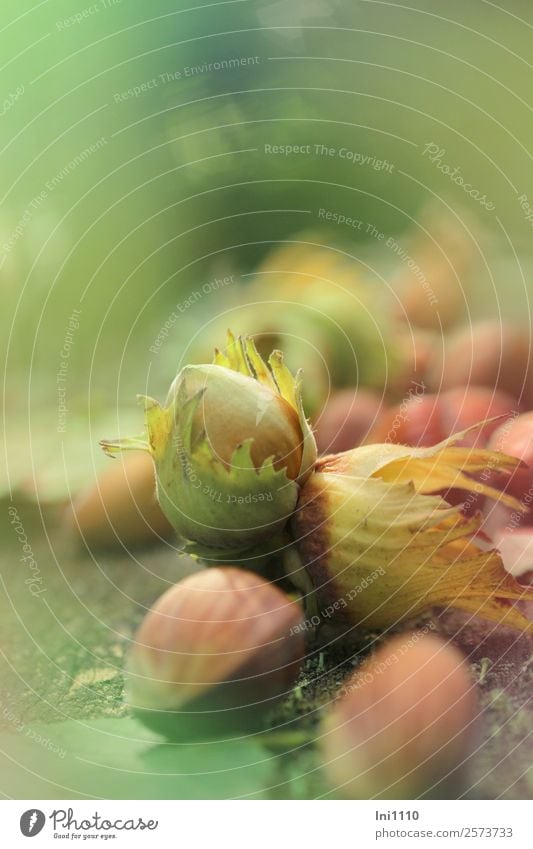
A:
[403,724]
[214,654]
[425,419]
[465,406]
[121,507]
[514,437]
[346,420]
[275,431]
[416,421]
[487,354]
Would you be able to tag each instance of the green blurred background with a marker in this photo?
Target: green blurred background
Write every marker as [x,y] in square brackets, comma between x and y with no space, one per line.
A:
[129,180]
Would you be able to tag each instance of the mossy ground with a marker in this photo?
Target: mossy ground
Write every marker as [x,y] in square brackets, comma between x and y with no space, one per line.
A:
[63,654]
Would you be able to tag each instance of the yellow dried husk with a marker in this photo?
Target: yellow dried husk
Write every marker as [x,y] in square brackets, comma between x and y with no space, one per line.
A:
[373,512]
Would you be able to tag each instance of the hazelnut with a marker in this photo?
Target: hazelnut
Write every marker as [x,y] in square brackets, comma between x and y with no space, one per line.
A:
[214,654]
[487,354]
[121,507]
[404,723]
[346,419]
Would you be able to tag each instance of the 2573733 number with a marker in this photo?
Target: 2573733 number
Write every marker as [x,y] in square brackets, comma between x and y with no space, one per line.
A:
[486,831]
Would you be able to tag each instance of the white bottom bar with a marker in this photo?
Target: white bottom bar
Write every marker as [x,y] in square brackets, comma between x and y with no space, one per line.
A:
[267,825]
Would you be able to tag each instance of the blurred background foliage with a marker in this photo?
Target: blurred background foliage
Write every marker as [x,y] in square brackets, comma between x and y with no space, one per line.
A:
[177,188]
